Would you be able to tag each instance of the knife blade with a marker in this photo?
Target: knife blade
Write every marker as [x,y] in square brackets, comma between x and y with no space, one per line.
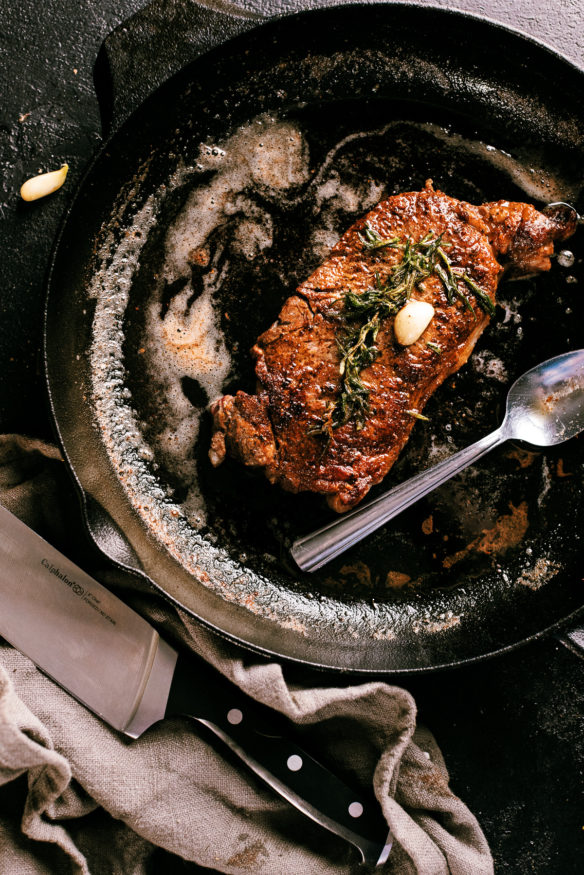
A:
[115,663]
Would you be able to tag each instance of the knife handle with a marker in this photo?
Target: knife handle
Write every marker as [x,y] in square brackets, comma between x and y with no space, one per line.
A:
[287,768]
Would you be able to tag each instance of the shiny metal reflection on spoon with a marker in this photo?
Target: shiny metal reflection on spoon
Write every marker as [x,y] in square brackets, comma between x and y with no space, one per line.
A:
[544,407]
[555,210]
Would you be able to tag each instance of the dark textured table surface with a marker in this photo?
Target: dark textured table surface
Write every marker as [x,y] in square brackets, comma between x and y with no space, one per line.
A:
[510,728]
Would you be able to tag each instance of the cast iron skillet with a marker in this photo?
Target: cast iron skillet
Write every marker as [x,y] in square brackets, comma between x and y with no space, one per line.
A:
[349,104]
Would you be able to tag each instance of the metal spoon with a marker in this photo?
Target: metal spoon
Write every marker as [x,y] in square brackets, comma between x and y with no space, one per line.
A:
[544,407]
[556,209]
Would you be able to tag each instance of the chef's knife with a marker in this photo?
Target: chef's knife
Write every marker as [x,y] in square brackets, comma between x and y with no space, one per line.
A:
[116,664]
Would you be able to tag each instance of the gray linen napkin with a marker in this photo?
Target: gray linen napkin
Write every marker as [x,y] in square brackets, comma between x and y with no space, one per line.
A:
[97,803]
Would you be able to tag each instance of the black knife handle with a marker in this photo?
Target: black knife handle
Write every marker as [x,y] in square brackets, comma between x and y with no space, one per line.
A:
[296,776]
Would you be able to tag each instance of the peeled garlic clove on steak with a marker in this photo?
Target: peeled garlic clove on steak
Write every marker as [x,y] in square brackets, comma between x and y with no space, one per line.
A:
[411,321]
[43,184]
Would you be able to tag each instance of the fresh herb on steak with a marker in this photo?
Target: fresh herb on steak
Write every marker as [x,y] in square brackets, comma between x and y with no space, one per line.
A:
[365,312]
[451,276]
[371,239]
[482,298]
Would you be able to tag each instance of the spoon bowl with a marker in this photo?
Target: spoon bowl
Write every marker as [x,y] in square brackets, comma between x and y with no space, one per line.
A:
[544,407]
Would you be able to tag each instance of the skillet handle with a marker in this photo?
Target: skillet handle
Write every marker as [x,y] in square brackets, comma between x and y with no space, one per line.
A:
[154,44]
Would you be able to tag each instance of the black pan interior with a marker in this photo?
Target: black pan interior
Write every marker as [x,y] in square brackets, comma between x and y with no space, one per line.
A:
[306,123]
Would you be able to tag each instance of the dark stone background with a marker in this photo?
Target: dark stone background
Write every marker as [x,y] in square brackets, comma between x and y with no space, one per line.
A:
[510,728]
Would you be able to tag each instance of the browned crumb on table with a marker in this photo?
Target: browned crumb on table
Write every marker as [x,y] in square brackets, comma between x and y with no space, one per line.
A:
[247,858]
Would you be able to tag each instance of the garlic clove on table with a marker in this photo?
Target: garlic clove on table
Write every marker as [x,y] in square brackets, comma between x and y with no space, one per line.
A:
[43,184]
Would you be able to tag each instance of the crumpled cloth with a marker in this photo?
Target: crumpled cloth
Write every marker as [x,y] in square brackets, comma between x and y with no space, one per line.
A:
[77,797]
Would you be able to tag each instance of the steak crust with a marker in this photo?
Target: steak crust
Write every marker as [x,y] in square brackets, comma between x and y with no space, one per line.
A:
[297,358]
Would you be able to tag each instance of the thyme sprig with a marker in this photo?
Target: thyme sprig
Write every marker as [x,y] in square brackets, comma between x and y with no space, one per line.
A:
[417,415]
[363,315]
[371,239]
[482,298]
[451,277]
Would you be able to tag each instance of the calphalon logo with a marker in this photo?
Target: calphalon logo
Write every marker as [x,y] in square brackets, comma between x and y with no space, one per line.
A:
[52,569]
[86,596]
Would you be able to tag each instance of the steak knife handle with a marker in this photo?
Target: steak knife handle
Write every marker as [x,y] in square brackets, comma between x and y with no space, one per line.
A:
[287,768]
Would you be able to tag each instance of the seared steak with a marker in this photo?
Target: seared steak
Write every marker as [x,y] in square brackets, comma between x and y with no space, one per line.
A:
[293,426]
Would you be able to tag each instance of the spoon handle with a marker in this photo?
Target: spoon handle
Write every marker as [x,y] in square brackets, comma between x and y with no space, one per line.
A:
[316,549]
